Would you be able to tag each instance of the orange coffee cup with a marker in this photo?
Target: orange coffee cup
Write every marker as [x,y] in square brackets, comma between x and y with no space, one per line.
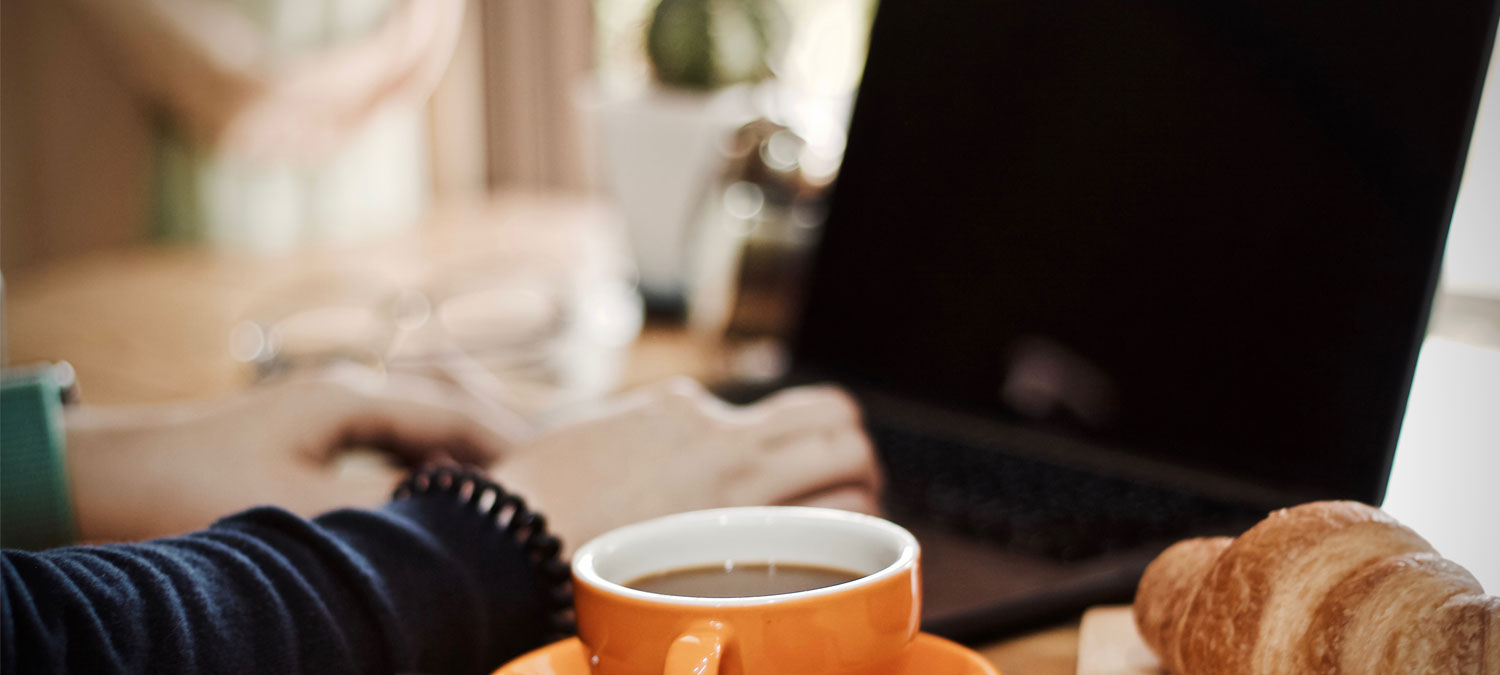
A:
[858,627]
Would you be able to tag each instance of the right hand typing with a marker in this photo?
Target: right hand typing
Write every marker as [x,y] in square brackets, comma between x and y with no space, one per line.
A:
[674,447]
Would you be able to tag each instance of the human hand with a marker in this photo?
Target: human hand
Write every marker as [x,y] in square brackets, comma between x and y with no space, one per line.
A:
[153,471]
[674,447]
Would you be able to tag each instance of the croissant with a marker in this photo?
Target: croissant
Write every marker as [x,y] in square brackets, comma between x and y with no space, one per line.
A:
[1326,587]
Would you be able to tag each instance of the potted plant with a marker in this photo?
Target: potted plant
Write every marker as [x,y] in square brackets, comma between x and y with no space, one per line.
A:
[659,144]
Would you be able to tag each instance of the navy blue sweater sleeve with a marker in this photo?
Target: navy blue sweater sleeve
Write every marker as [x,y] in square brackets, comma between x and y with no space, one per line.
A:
[439,581]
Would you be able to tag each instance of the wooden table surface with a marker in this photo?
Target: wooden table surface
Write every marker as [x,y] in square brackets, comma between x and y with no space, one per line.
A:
[150,324]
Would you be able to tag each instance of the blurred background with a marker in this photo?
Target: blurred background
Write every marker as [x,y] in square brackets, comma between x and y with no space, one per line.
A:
[546,199]
[541,201]
[203,193]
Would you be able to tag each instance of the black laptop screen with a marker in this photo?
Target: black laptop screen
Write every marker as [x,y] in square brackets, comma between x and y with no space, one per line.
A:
[1205,232]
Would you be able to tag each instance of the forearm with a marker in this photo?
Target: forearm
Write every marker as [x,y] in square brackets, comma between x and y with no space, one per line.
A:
[309,445]
[203,61]
[119,477]
[211,66]
[429,583]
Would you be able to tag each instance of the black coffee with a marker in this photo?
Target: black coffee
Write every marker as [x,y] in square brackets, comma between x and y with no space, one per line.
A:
[742,580]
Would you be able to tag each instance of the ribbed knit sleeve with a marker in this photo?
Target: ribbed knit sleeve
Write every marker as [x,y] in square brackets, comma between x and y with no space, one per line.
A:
[454,576]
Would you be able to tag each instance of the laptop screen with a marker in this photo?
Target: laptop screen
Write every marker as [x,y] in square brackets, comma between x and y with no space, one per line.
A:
[1204,233]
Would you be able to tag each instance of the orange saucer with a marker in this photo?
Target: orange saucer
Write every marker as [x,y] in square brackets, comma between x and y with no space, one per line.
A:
[928,654]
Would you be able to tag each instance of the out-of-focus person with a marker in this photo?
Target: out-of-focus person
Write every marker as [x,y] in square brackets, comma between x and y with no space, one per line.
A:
[252,124]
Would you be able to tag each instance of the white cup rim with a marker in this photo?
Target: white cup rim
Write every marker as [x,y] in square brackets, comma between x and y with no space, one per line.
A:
[585,560]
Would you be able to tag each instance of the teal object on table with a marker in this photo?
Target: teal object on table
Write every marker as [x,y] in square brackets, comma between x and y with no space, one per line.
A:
[36,509]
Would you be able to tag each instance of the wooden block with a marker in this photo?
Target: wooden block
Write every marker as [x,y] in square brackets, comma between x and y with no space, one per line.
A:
[1108,644]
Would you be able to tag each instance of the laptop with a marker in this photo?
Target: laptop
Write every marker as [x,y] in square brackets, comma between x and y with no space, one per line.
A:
[1105,275]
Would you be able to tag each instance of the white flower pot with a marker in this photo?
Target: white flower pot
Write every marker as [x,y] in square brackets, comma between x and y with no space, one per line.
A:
[657,155]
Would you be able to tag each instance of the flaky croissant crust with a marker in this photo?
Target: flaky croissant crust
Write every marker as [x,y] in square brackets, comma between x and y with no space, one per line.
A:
[1327,587]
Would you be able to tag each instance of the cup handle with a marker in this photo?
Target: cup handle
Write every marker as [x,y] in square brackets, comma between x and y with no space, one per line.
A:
[698,651]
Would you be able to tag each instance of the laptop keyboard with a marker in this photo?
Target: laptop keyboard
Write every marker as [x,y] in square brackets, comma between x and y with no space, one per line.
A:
[1035,507]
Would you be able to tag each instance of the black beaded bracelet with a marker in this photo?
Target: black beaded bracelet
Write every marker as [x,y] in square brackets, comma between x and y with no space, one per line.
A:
[528,528]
